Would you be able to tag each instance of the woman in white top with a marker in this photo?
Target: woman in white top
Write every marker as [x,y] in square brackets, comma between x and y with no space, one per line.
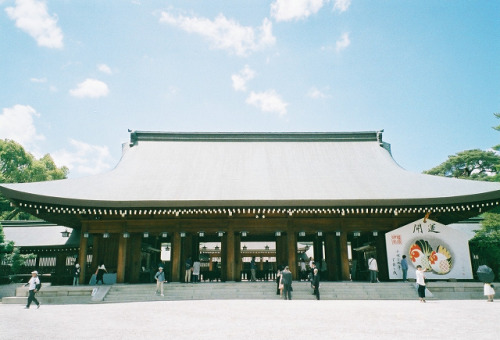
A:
[99,273]
[196,271]
[419,274]
[489,291]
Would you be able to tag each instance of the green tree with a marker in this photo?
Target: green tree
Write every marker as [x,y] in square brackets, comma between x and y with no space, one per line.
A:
[486,242]
[6,247]
[484,166]
[19,166]
[471,164]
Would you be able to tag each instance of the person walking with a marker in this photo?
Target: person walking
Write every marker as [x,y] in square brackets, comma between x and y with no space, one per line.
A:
[303,269]
[286,279]
[34,285]
[99,273]
[312,266]
[404,268]
[489,291]
[316,283]
[279,285]
[420,278]
[160,279]
[189,265]
[76,274]
[253,268]
[373,268]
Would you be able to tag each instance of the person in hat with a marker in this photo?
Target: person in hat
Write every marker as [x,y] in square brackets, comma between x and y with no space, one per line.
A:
[160,279]
[34,285]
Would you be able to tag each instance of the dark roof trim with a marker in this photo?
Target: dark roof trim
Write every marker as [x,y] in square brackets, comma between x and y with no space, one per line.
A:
[152,136]
[27,223]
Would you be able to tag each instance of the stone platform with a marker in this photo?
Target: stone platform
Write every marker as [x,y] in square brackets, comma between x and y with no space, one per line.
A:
[245,291]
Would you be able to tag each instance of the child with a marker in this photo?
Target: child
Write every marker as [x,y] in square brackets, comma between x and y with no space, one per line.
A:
[489,291]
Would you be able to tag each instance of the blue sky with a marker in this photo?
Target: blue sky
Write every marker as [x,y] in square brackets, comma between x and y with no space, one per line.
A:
[76,75]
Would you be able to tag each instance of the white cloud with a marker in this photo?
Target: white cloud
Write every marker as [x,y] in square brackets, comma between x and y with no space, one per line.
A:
[32,17]
[104,68]
[268,101]
[83,158]
[286,10]
[343,42]
[38,80]
[16,123]
[225,34]
[341,5]
[315,93]
[240,79]
[90,88]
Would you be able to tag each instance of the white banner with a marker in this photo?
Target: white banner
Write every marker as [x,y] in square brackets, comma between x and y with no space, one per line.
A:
[441,250]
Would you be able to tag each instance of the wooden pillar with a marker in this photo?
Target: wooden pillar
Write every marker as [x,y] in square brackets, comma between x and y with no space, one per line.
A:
[176,257]
[237,257]
[292,253]
[281,251]
[194,249]
[228,245]
[186,251]
[331,257]
[134,258]
[96,244]
[122,259]
[318,250]
[60,268]
[344,260]
[383,269]
[82,258]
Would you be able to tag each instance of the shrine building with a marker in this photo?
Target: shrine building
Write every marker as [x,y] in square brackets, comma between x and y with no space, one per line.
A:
[326,193]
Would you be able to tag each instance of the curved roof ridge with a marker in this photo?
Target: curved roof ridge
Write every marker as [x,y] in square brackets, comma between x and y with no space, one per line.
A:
[158,136]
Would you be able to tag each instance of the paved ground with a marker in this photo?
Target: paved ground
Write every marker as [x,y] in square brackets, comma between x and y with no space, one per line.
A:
[255,319]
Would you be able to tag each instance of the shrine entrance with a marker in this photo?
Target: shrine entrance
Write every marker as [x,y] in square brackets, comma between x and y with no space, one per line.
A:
[264,255]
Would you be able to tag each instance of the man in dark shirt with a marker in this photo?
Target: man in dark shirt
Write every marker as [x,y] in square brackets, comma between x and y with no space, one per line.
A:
[315,283]
[253,268]
[286,279]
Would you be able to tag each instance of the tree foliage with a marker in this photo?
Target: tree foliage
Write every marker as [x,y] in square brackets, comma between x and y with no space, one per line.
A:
[19,166]
[486,242]
[472,164]
[6,247]
[484,166]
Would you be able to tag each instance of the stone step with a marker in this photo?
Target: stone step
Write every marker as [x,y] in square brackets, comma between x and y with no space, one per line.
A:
[267,290]
[245,290]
